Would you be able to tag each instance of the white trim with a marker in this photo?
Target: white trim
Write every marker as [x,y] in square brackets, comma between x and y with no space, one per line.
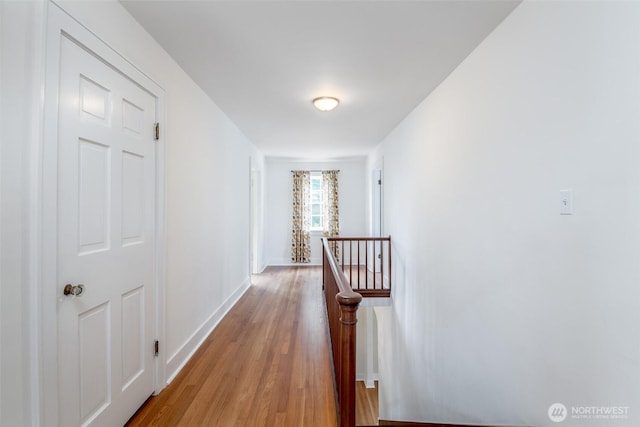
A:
[180,357]
[161,240]
[1,216]
[60,23]
[23,141]
[48,320]
[315,262]
[379,165]
[252,208]
[32,313]
[255,210]
[369,381]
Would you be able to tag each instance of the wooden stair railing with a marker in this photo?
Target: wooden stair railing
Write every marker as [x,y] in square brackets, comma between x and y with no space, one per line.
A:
[366,262]
[342,306]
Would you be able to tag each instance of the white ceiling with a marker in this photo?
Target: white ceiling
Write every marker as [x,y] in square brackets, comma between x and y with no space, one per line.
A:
[262,62]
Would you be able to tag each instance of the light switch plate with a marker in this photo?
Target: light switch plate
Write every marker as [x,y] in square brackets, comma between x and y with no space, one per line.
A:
[566,202]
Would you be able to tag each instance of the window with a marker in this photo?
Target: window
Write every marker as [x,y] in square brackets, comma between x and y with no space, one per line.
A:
[317,197]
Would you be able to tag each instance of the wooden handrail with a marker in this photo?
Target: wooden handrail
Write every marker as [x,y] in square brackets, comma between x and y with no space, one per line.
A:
[342,306]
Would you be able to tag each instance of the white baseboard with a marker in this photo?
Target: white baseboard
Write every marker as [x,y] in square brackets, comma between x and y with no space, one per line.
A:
[369,381]
[179,359]
[287,263]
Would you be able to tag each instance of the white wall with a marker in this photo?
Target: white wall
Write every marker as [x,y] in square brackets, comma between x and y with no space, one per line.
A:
[279,202]
[21,31]
[367,344]
[208,170]
[502,306]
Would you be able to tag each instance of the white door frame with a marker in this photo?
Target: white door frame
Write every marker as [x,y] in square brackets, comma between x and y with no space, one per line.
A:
[60,24]
[376,202]
[377,207]
[378,171]
[254,195]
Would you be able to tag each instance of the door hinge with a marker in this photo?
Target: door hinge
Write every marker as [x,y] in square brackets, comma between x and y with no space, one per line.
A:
[379,182]
[156,348]
[157,131]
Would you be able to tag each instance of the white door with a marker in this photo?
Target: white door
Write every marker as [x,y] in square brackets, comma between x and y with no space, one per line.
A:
[106,232]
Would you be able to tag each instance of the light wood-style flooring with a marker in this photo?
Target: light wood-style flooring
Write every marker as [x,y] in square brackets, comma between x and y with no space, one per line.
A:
[266,364]
[366,404]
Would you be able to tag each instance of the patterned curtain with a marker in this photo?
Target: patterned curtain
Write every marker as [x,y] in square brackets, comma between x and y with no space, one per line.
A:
[331,226]
[300,249]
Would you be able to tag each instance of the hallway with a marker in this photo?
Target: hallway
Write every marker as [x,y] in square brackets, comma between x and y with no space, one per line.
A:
[266,364]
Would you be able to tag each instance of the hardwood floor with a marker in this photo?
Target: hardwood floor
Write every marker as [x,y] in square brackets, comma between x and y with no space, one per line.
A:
[266,364]
[366,404]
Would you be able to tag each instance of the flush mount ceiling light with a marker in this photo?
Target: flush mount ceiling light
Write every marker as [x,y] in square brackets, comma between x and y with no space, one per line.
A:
[325,103]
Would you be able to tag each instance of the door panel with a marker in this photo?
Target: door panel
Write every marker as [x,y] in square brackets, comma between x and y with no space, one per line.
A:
[132,336]
[93,196]
[133,195]
[95,101]
[95,360]
[106,240]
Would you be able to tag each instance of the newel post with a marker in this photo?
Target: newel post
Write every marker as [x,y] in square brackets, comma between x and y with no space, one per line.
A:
[348,303]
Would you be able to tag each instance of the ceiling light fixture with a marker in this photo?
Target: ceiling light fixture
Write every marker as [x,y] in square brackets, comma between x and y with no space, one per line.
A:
[325,103]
